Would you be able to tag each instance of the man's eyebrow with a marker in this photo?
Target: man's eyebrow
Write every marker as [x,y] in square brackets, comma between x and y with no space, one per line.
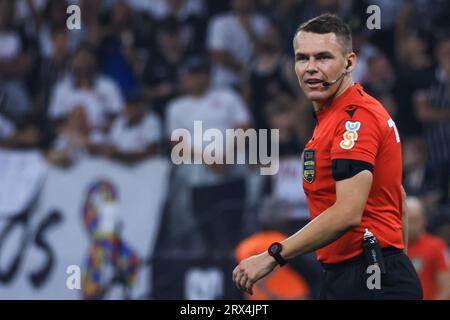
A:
[324,53]
[318,54]
[321,53]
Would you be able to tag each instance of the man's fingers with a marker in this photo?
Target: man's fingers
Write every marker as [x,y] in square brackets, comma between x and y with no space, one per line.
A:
[243,281]
[235,272]
[248,286]
[238,276]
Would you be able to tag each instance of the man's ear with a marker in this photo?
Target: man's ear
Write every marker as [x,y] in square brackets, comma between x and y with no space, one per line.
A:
[351,59]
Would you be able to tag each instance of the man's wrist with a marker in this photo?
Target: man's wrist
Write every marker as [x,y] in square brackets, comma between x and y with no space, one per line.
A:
[274,250]
[270,260]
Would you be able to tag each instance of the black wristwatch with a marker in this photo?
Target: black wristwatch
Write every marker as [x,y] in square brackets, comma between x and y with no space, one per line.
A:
[274,250]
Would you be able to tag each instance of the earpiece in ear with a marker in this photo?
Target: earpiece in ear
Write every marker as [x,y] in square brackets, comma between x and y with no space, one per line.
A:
[349,63]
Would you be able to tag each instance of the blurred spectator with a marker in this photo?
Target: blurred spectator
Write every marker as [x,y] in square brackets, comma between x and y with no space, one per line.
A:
[52,69]
[17,128]
[98,95]
[134,135]
[52,18]
[364,50]
[15,63]
[190,14]
[73,137]
[433,110]
[285,283]
[271,74]
[160,77]
[428,254]
[311,9]
[232,41]
[384,38]
[24,11]
[440,226]
[283,114]
[7,128]
[28,136]
[380,82]
[286,185]
[218,109]
[118,48]
[416,181]
[428,16]
[93,19]
[161,9]
[414,166]
[415,72]
[287,14]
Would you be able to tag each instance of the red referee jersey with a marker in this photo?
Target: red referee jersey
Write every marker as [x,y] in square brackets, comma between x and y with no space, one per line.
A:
[357,127]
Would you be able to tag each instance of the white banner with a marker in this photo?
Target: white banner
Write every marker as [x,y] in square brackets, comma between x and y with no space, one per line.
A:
[21,176]
[42,252]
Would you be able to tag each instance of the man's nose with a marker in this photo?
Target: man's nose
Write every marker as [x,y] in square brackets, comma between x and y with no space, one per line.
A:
[311,66]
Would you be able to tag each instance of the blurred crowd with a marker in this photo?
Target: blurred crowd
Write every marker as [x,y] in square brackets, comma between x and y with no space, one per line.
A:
[138,69]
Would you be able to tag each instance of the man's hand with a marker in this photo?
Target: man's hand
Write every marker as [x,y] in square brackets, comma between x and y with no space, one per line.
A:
[250,270]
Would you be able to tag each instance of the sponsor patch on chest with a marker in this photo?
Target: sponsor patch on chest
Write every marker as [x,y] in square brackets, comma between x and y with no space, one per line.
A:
[309,165]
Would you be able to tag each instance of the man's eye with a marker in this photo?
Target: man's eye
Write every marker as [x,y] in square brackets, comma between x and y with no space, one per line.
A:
[301,58]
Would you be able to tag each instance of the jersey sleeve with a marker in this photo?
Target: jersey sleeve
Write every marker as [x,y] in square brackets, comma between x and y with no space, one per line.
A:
[357,135]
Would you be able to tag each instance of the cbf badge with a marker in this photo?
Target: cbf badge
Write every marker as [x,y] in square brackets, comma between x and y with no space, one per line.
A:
[309,165]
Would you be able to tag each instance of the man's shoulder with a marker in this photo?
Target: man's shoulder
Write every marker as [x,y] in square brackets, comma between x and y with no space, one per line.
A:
[363,104]
[373,104]
[103,82]
[151,119]
[230,19]
[223,19]
[355,111]
[66,84]
[223,93]
[179,105]
[224,98]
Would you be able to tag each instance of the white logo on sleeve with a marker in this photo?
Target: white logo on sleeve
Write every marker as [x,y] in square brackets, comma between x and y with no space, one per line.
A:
[350,135]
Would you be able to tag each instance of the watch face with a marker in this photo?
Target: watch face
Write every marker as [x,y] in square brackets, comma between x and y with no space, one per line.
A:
[275,248]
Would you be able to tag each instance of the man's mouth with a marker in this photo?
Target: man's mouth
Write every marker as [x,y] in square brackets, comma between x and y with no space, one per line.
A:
[314,83]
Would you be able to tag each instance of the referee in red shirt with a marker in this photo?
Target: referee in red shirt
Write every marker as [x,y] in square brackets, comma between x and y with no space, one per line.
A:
[352,179]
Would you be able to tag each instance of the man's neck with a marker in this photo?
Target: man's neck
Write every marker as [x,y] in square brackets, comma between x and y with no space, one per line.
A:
[322,105]
[199,93]
[84,83]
